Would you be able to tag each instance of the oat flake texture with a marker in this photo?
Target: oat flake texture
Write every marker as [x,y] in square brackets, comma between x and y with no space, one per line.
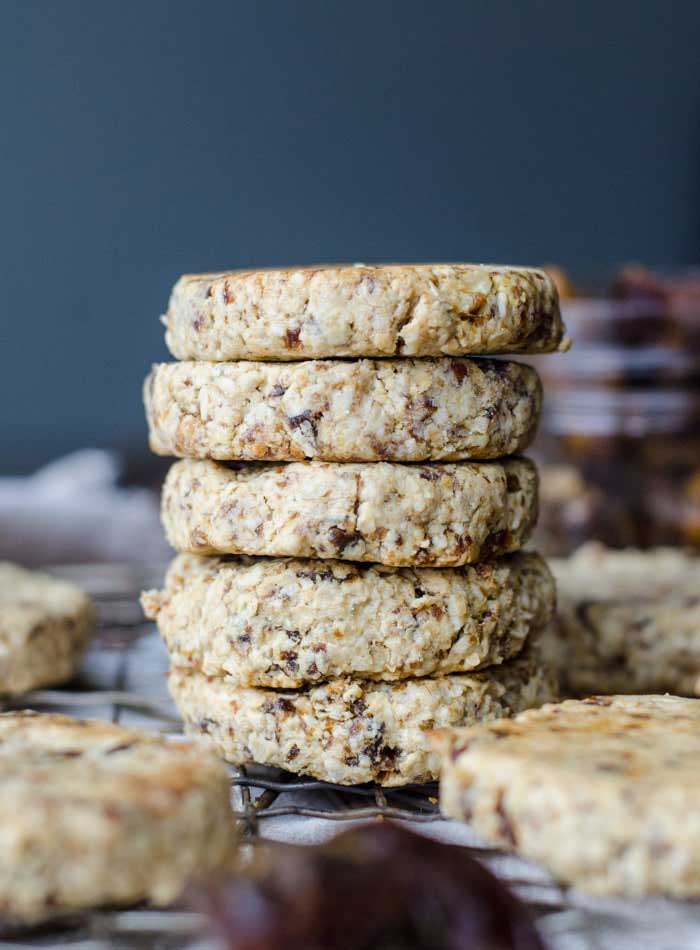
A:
[349,730]
[282,623]
[45,625]
[627,621]
[605,791]
[357,410]
[363,310]
[93,814]
[439,515]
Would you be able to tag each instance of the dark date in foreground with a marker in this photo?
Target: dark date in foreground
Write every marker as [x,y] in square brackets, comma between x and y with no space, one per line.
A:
[377,887]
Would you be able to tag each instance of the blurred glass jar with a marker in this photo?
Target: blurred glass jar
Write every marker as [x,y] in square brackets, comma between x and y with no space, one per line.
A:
[619,443]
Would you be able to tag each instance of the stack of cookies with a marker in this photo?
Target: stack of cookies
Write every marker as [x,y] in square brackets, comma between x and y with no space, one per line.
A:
[348,510]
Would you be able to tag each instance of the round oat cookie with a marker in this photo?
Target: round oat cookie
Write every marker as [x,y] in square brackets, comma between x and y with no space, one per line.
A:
[283,623]
[441,515]
[343,411]
[363,310]
[348,730]
[627,621]
[94,814]
[45,624]
[605,791]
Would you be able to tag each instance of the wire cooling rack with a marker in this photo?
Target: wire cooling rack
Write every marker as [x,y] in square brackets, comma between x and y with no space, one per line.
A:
[123,680]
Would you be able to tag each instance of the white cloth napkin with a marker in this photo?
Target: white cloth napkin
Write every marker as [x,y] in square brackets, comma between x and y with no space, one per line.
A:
[73,511]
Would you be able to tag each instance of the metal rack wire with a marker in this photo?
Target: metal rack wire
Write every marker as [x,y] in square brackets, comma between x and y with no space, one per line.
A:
[123,680]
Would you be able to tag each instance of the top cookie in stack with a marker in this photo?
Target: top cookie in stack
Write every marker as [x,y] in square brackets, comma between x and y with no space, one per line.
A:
[290,366]
[377,311]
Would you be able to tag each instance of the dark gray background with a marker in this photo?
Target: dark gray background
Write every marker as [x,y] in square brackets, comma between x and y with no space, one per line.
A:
[143,139]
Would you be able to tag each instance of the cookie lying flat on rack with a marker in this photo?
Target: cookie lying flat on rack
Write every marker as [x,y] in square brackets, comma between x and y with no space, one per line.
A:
[363,310]
[94,814]
[627,621]
[441,515]
[45,624]
[283,623]
[363,410]
[352,731]
[604,791]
